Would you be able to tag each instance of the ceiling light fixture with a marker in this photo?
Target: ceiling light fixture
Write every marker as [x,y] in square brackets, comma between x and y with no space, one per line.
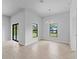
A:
[41,1]
[49,9]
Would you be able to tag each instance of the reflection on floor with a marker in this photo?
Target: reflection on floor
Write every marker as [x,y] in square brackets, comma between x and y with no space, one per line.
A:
[39,50]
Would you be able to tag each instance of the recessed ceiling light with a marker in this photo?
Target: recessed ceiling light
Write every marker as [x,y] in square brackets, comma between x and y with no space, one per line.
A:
[41,1]
[49,9]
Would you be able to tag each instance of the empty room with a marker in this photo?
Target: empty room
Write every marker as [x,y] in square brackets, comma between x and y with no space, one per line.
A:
[39,29]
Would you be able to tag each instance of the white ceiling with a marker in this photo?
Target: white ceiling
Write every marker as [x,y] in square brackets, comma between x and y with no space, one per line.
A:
[9,7]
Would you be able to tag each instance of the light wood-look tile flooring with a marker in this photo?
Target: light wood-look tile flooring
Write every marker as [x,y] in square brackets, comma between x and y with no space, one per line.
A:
[39,50]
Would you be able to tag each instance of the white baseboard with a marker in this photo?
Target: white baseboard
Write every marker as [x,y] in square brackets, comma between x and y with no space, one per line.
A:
[35,41]
[55,41]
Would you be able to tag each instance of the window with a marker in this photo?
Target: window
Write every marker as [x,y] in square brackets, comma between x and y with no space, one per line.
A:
[34,30]
[53,30]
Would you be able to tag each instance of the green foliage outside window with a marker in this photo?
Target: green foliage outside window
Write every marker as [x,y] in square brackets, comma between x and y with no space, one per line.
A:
[35,30]
[53,30]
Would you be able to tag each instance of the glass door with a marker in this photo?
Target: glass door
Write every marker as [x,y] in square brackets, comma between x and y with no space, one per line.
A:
[14,32]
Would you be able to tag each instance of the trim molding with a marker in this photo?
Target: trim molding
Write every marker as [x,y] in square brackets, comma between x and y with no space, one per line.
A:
[56,41]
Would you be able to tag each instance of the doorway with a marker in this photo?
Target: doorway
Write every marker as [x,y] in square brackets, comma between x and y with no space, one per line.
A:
[14,32]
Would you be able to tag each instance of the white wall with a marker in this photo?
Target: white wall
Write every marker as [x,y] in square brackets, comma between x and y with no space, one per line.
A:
[19,17]
[31,17]
[73,24]
[6,28]
[25,18]
[63,21]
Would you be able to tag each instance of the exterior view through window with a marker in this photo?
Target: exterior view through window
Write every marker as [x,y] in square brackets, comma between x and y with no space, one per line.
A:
[34,30]
[53,30]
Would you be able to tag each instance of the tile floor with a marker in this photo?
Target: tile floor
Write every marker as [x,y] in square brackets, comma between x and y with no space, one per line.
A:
[39,50]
